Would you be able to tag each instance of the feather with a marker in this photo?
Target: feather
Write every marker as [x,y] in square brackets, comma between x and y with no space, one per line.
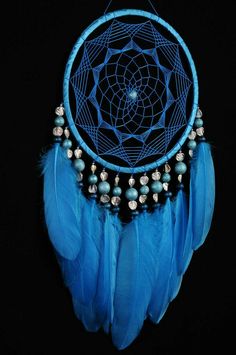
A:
[62,212]
[203,193]
[164,260]
[134,281]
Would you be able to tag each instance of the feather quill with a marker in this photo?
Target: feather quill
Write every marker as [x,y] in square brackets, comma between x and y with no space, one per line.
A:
[61,203]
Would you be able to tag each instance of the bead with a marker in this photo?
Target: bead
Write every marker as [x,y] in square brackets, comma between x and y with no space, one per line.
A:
[180,168]
[144,190]
[180,156]
[115,200]
[59,121]
[117,179]
[131,194]
[132,205]
[167,168]
[69,153]
[200,131]
[198,122]
[142,198]
[156,175]
[104,198]
[92,189]
[166,177]
[79,177]
[78,153]
[156,187]
[60,111]
[190,152]
[192,144]
[131,181]
[199,113]
[92,179]
[165,186]
[192,134]
[117,191]
[144,180]
[155,197]
[93,168]
[104,175]
[79,164]
[66,132]
[180,177]
[104,187]
[67,144]
[57,131]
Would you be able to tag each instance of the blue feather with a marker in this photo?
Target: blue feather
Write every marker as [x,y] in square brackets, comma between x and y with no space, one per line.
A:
[134,281]
[164,261]
[61,203]
[203,193]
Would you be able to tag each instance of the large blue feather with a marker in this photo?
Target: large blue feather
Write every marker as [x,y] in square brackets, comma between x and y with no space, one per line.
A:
[134,281]
[164,261]
[61,203]
[203,193]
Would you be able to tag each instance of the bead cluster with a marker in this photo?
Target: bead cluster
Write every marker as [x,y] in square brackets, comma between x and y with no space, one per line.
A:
[135,196]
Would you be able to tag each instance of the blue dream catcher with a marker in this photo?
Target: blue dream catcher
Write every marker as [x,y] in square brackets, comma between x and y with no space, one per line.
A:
[122,223]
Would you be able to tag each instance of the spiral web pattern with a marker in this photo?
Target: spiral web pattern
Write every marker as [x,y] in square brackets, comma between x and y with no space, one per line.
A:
[131,93]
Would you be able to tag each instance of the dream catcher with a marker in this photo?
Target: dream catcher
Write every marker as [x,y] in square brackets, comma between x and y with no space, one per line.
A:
[129,197]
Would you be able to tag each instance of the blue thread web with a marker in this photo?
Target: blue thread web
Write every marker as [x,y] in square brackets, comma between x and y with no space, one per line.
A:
[131,92]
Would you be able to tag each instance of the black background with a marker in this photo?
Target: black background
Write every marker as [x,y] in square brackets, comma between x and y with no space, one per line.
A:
[37,315]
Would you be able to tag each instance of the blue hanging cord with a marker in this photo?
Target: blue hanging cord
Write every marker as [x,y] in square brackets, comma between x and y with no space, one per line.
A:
[108,6]
[150,2]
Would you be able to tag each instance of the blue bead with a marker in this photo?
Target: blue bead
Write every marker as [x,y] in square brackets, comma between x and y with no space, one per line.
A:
[180,168]
[79,164]
[117,191]
[198,122]
[131,194]
[104,187]
[67,144]
[144,190]
[166,177]
[156,187]
[92,179]
[192,144]
[59,121]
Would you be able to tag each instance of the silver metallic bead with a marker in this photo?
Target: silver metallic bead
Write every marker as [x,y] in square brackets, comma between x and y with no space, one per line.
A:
[57,131]
[115,200]
[60,111]
[92,189]
[69,153]
[104,198]
[133,205]
[155,197]
[142,198]
[156,175]
[200,131]
[104,175]
[192,135]
[180,178]
[131,181]
[190,152]
[79,177]
[66,132]
[167,168]
[199,113]
[144,180]
[180,156]
[117,179]
[93,168]
[165,186]
[78,153]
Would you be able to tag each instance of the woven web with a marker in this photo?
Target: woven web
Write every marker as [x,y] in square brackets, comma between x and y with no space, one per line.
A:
[131,93]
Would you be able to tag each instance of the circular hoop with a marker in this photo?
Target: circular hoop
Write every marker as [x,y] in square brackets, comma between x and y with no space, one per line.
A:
[79,43]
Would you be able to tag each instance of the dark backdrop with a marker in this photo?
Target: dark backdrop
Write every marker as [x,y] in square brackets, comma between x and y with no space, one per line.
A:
[37,315]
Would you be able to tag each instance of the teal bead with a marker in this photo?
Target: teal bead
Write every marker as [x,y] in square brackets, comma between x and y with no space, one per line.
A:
[131,194]
[166,177]
[144,190]
[180,168]
[104,187]
[67,144]
[192,144]
[198,122]
[79,164]
[59,121]
[92,179]
[156,187]
[117,191]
